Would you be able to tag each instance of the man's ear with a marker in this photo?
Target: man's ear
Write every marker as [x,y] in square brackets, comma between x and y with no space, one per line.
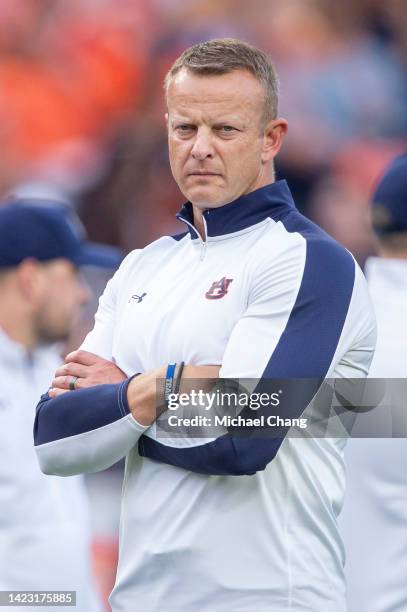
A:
[30,279]
[166,120]
[273,137]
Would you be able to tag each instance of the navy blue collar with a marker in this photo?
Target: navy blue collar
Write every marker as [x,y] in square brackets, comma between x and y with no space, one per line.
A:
[270,201]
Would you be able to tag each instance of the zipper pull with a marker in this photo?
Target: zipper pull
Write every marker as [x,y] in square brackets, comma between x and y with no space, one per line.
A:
[203,250]
[203,247]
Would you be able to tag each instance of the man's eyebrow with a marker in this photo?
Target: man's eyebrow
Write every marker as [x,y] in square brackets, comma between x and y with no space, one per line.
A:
[229,120]
[222,120]
[181,119]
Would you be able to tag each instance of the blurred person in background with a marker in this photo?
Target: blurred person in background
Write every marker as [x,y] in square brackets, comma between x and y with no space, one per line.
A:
[44,522]
[374,517]
[341,199]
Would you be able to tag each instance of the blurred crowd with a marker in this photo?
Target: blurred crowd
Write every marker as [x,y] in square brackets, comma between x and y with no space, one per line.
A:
[82,110]
[81,107]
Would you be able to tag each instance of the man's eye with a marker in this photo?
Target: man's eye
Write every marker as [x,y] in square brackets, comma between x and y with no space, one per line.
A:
[226,129]
[184,128]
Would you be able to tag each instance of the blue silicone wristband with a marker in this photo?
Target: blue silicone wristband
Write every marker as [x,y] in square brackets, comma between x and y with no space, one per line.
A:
[169,381]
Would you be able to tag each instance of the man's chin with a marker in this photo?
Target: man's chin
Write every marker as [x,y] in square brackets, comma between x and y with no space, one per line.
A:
[48,336]
[203,198]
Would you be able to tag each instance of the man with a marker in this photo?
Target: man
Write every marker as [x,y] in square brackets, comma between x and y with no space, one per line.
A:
[374,518]
[251,290]
[44,522]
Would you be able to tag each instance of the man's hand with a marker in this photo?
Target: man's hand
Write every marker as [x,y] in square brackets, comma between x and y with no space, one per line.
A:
[146,400]
[90,370]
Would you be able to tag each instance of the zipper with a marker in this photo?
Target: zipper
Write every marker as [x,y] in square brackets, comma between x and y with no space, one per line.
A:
[203,250]
[203,243]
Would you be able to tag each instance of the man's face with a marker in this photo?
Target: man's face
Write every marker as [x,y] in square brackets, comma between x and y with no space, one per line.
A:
[62,292]
[217,147]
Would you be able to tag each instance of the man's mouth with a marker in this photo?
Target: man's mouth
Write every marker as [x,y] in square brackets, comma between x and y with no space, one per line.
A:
[203,173]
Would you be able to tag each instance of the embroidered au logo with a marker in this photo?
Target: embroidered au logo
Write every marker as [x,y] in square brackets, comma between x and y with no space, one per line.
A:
[218,289]
[137,298]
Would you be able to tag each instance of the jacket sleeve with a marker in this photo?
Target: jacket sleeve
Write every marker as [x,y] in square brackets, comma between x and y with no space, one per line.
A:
[89,429]
[84,431]
[291,328]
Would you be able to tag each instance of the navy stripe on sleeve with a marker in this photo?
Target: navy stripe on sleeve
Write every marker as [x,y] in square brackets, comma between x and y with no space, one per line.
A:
[308,343]
[227,455]
[79,411]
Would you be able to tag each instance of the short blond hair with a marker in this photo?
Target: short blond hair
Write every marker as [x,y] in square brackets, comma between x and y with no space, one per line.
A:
[223,55]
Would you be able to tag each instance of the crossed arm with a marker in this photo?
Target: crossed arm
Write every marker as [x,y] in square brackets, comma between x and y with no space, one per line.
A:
[96,425]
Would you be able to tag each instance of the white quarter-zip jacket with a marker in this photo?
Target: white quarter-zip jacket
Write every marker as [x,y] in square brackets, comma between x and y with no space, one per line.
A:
[230,523]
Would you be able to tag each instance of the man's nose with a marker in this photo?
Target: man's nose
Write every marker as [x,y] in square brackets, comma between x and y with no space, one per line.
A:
[203,146]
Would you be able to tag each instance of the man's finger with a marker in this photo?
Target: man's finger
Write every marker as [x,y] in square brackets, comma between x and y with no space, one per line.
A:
[55,392]
[83,357]
[72,369]
[63,382]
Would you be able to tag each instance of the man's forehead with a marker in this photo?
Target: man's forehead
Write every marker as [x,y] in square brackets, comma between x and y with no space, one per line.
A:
[215,112]
[234,91]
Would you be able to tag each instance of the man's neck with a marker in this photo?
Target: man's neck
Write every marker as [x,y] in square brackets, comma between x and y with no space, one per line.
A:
[385,254]
[16,325]
[199,222]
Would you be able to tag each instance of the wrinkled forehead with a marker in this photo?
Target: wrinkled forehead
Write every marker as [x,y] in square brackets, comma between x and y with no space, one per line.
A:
[236,92]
